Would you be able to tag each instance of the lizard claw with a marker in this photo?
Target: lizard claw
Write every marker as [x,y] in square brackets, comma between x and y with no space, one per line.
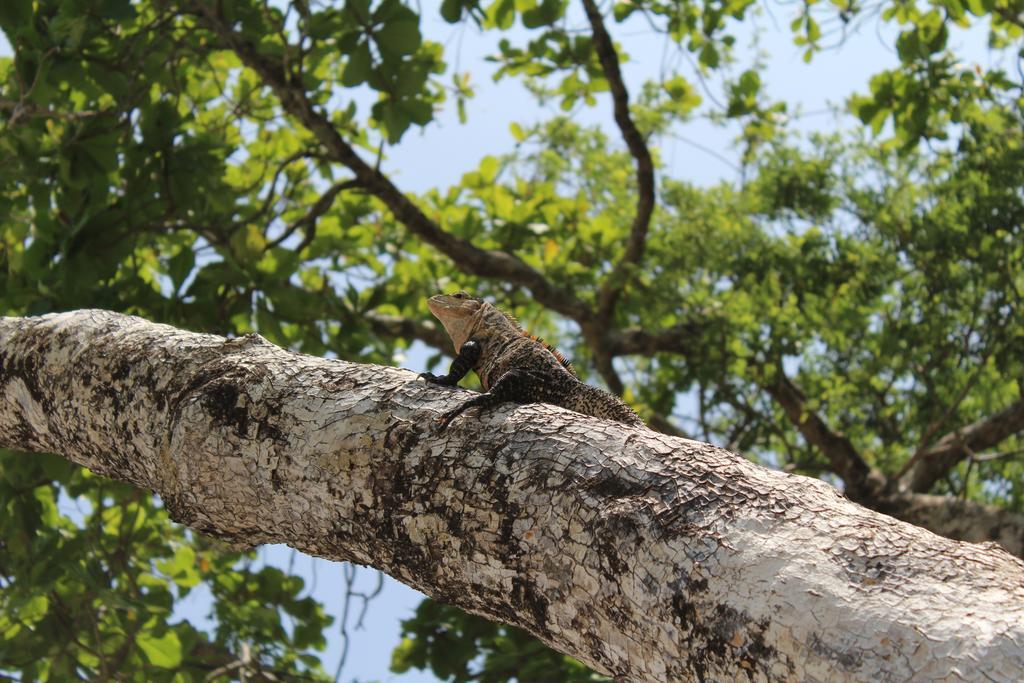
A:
[435,379]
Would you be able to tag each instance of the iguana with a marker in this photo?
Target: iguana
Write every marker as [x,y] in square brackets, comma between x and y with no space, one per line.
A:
[512,364]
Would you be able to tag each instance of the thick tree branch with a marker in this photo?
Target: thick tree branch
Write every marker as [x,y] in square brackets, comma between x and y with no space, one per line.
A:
[613,285]
[931,464]
[859,479]
[961,520]
[288,87]
[650,558]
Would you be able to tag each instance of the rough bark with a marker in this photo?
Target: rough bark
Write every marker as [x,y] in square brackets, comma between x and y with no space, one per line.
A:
[649,557]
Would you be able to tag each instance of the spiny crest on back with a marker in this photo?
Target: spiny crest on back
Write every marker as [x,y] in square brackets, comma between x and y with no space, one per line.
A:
[566,363]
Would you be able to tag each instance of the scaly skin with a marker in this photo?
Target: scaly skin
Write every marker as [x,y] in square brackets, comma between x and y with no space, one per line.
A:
[512,365]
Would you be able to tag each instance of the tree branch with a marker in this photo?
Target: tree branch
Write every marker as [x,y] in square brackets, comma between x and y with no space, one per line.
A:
[603,361]
[660,423]
[613,285]
[396,326]
[490,263]
[23,109]
[861,483]
[680,339]
[927,467]
[648,557]
[308,222]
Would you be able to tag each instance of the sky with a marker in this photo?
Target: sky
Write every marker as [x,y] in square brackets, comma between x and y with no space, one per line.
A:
[439,154]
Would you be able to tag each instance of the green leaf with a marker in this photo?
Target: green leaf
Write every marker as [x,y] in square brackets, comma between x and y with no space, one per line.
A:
[502,13]
[489,168]
[180,266]
[357,69]
[545,13]
[163,651]
[976,7]
[709,56]
[622,10]
[451,10]
[400,37]
[360,9]
[182,567]
[118,10]
[14,14]
[33,609]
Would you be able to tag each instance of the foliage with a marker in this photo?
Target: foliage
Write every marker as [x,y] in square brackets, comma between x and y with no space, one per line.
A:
[92,572]
[212,166]
[461,647]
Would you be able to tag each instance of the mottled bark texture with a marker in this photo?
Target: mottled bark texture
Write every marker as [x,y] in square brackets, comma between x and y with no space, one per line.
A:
[649,557]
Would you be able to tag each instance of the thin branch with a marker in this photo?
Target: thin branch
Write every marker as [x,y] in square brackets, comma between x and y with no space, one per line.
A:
[613,285]
[348,571]
[989,457]
[23,110]
[319,208]
[272,185]
[941,421]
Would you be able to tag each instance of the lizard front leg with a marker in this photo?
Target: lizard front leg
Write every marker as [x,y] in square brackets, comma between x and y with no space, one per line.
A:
[515,386]
[468,355]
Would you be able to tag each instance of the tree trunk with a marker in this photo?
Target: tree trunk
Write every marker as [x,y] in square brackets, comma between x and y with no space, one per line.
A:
[649,557]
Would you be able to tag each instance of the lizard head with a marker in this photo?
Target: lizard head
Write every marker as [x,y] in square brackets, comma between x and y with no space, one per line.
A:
[464,316]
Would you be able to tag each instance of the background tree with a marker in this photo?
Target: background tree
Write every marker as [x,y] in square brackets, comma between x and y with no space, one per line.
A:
[849,309]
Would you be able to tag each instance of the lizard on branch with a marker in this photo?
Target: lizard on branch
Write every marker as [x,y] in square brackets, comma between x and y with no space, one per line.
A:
[513,365]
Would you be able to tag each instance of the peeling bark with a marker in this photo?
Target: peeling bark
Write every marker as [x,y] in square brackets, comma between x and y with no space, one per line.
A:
[649,557]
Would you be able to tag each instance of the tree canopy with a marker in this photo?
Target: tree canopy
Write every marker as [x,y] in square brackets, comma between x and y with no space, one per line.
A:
[849,309]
